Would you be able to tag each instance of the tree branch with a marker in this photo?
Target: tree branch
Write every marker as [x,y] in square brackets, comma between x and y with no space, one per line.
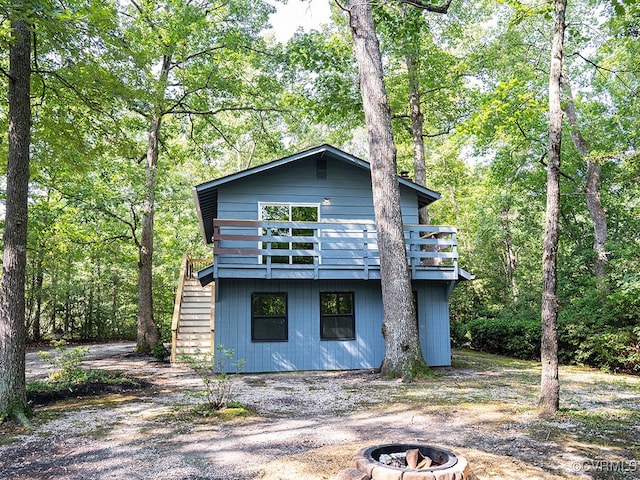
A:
[133,225]
[600,67]
[194,55]
[562,174]
[187,111]
[429,7]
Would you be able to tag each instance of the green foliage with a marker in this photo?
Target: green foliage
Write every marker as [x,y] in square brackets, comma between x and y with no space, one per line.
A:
[67,361]
[596,329]
[160,352]
[218,384]
[502,336]
[603,330]
[613,350]
[71,378]
[89,376]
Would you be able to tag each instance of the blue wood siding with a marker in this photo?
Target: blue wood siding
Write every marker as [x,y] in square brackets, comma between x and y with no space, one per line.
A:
[345,195]
[304,350]
[346,188]
[433,322]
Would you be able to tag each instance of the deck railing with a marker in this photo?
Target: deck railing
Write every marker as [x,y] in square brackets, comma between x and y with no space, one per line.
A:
[274,249]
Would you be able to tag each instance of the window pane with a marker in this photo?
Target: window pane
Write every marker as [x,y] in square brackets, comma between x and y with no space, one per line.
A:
[336,303]
[275,212]
[328,303]
[345,303]
[337,319]
[269,329]
[304,214]
[269,317]
[265,304]
[339,328]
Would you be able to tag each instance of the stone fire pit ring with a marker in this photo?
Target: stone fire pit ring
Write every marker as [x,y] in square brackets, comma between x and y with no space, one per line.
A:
[447,465]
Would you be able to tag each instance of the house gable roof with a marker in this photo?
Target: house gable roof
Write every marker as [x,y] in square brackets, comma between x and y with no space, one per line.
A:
[206,194]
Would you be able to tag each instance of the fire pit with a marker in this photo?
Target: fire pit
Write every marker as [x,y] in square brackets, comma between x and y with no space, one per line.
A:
[399,461]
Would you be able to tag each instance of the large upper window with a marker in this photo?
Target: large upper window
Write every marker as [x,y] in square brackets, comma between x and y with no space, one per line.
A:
[269,317]
[286,212]
[337,317]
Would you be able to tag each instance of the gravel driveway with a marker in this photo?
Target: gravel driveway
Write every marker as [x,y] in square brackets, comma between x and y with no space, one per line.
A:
[306,426]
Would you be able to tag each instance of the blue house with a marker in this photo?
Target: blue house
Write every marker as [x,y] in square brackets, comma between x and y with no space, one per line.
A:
[295,278]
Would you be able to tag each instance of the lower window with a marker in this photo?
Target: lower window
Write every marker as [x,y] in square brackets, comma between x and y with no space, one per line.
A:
[337,317]
[269,317]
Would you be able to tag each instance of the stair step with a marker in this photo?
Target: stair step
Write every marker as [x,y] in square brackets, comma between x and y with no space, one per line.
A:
[198,300]
[196,352]
[194,335]
[194,322]
[196,309]
[195,293]
[202,318]
[192,309]
[203,347]
[201,344]
[191,330]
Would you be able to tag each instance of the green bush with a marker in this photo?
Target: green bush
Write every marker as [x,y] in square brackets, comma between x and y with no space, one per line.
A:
[611,348]
[218,385]
[160,352]
[582,341]
[513,338]
[67,361]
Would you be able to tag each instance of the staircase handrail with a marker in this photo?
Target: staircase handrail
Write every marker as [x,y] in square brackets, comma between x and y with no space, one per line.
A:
[176,306]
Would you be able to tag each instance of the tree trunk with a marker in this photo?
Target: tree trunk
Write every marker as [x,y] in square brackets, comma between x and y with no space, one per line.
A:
[53,316]
[36,334]
[550,386]
[13,398]
[403,356]
[148,331]
[417,132]
[592,190]
[510,257]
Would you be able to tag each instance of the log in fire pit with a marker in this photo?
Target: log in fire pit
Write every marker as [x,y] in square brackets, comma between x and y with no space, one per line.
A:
[399,461]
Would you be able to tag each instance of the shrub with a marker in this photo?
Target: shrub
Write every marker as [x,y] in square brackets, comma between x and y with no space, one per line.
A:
[514,338]
[218,385]
[583,340]
[611,348]
[160,352]
[68,361]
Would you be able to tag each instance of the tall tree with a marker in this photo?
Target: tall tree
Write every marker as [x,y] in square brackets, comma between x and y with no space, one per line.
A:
[187,50]
[148,331]
[403,355]
[13,401]
[592,187]
[550,385]
[412,62]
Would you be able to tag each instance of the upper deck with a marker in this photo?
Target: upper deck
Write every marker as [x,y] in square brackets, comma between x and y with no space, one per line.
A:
[325,250]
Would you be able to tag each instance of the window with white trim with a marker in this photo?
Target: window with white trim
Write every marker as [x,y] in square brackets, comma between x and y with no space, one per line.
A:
[289,212]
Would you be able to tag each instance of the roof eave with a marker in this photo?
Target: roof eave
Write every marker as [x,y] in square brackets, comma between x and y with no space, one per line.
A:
[196,200]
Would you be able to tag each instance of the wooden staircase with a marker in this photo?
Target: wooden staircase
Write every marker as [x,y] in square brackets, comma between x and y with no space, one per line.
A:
[192,328]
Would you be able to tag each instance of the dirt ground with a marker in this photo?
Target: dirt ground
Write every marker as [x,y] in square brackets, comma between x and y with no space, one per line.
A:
[308,426]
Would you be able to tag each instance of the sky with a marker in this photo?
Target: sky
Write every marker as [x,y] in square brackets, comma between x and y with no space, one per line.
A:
[308,14]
